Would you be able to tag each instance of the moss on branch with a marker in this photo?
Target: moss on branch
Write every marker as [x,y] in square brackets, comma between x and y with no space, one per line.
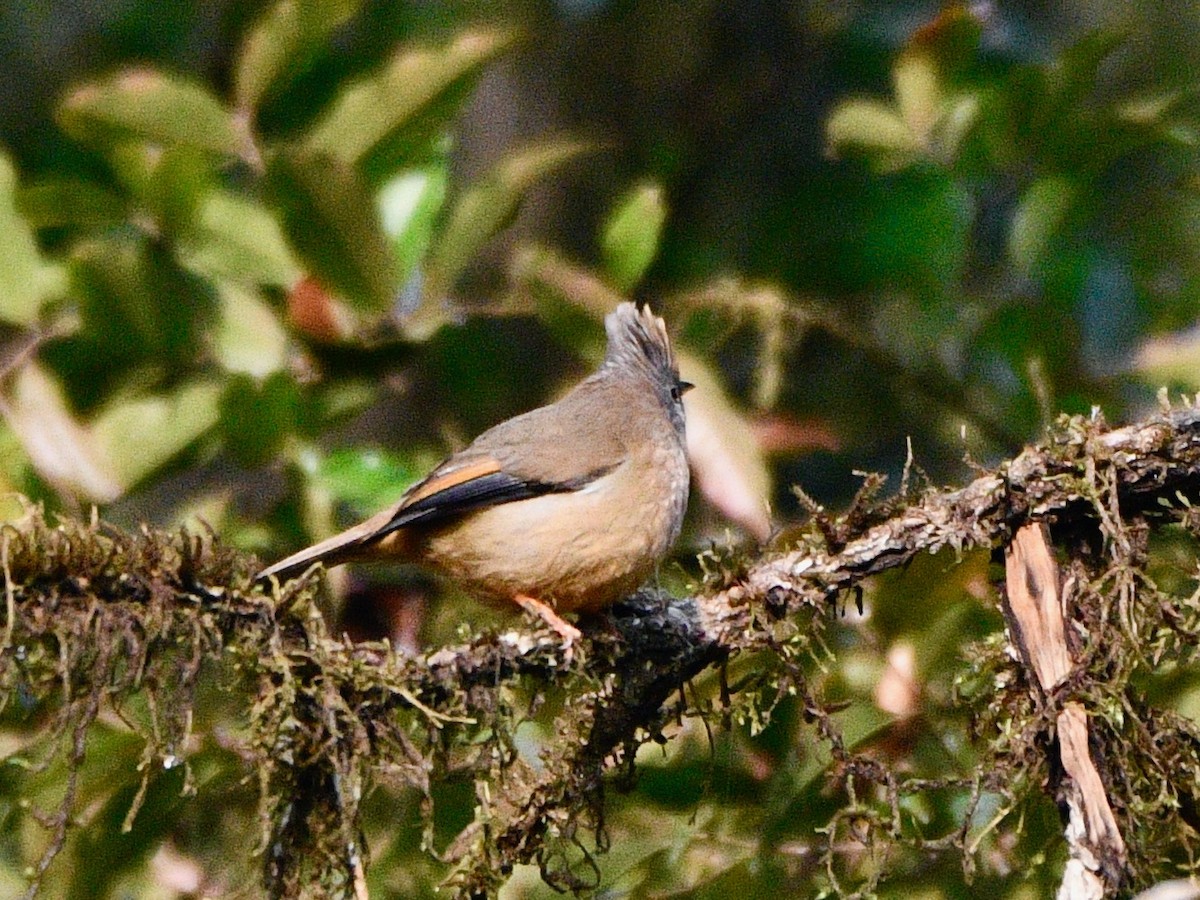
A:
[95,619]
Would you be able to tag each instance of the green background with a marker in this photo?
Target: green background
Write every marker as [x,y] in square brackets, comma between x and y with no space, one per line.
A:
[261,266]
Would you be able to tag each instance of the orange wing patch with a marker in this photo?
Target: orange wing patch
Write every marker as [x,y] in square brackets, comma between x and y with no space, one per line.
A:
[435,484]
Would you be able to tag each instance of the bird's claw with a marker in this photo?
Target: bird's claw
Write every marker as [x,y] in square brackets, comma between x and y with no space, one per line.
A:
[564,629]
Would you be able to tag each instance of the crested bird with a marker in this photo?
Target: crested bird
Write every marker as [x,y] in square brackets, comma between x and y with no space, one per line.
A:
[566,508]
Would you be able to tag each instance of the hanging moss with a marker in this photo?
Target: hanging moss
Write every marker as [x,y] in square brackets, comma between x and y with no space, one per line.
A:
[100,624]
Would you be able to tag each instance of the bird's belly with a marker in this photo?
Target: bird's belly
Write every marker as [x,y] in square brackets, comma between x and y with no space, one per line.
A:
[577,550]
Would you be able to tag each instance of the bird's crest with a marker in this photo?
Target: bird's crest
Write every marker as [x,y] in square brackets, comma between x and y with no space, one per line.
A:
[638,338]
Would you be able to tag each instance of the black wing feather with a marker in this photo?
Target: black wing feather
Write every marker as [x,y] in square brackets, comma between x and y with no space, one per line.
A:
[486,490]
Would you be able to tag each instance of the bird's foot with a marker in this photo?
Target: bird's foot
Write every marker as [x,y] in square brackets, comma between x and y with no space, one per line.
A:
[568,632]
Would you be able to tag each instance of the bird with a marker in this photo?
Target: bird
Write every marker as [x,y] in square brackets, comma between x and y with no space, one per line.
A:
[566,508]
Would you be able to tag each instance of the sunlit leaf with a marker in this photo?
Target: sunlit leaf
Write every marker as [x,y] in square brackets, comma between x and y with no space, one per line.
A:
[629,241]
[873,128]
[918,91]
[248,337]
[958,119]
[234,236]
[26,282]
[144,104]
[345,398]
[409,205]
[1150,109]
[332,222]
[1170,359]
[488,206]
[13,881]
[60,447]
[729,466]
[281,43]
[375,106]
[1038,219]
[139,434]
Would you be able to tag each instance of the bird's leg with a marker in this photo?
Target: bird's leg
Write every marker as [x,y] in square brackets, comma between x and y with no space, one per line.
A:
[568,632]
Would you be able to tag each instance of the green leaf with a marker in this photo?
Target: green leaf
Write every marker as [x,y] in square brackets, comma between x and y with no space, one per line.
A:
[423,141]
[282,43]
[630,238]
[107,856]
[488,206]
[248,337]
[146,105]
[959,119]
[164,186]
[236,237]
[409,205]
[139,434]
[332,222]
[18,479]
[137,301]
[26,282]
[373,108]
[367,479]
[179,180]
[258,416]
[342,399]
[1039,218]
[1076,73]
[74,202]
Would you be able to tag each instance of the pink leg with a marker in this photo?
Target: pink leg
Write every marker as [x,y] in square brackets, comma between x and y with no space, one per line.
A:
[568,632]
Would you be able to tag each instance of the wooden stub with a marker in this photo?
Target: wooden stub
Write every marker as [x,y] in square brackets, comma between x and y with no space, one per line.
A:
[1034,608]
[1034,611]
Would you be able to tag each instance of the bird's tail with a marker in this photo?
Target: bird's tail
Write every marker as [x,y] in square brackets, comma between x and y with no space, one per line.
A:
[347,546]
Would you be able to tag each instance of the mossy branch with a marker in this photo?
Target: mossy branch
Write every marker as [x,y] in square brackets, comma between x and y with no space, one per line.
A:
[94,617]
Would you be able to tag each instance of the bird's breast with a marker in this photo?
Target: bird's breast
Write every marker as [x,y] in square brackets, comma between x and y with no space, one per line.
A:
[578,550]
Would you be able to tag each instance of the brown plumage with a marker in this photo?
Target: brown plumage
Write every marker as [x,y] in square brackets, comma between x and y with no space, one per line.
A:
[569,506]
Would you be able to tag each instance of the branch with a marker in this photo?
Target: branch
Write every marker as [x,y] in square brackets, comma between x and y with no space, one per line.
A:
[1055,482]
[332,717]
[1157,458]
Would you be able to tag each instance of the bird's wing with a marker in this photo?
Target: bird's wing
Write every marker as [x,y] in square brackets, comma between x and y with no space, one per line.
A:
[461,485]
[538,452]
[535,453]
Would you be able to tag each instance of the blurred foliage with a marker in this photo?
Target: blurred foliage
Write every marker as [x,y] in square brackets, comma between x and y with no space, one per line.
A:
[263,264]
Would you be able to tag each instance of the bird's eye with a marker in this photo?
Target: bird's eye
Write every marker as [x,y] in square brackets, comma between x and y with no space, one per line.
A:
[676,394]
